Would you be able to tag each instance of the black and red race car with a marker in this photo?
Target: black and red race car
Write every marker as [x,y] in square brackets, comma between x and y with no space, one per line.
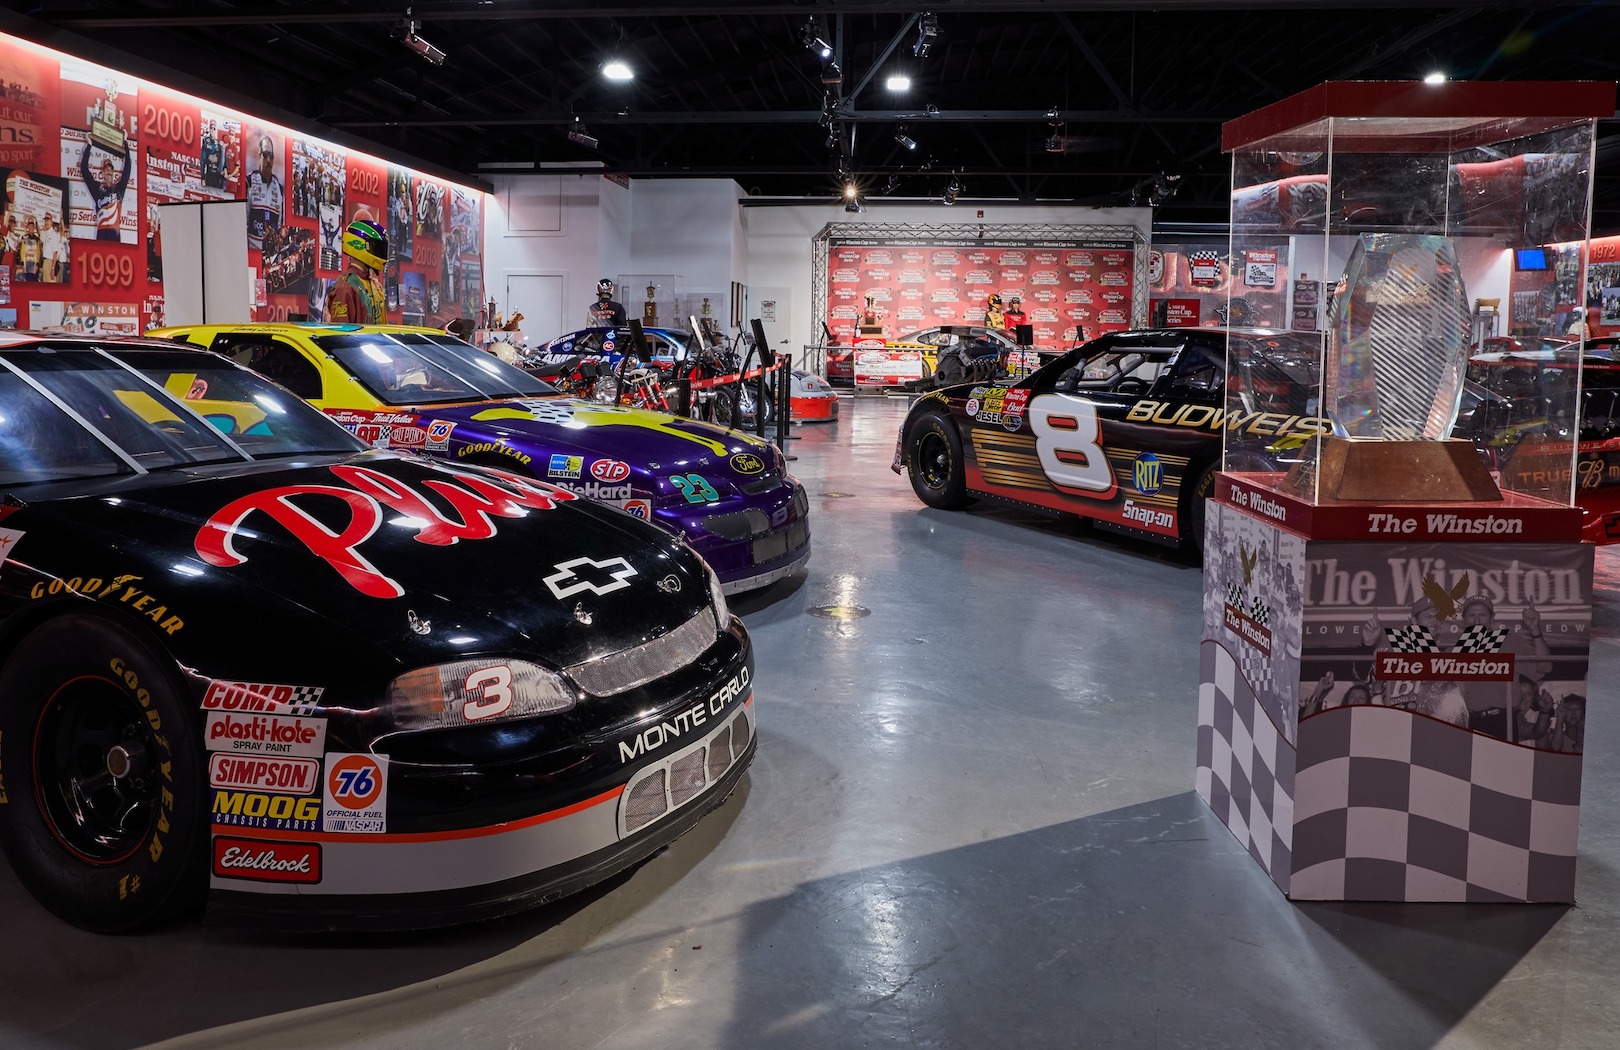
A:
[1125,429]
[246,660]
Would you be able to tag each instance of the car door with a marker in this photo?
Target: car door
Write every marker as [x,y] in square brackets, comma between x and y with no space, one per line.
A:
[276,359]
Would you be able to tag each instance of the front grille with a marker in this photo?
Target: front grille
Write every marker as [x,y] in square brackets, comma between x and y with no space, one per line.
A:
[666,786]
[738,525]
[773,546]
[763,483]
[626,670]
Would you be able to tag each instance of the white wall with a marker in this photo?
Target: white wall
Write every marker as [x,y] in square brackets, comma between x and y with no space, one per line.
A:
[690,227]
[562,225]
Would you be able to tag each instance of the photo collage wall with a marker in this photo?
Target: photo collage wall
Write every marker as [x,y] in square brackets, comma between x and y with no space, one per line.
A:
[91,154]
[1087,284]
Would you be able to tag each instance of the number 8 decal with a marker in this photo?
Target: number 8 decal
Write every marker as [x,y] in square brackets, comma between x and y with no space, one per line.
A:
[1067,441]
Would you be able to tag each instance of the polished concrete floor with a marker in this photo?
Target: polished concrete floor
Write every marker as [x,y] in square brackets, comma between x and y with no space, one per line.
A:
[971,825]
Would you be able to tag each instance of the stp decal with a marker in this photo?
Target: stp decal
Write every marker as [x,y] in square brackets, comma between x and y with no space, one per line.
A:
[610,470]
[355,794]
[474,499]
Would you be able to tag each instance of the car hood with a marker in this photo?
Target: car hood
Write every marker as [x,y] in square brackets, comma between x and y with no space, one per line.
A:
[568,426]
[416,555]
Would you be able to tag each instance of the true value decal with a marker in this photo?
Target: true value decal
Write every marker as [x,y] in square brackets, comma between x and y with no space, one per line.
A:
[474,501]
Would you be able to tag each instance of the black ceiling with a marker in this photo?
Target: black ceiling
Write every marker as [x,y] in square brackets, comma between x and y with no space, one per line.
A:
[729,88]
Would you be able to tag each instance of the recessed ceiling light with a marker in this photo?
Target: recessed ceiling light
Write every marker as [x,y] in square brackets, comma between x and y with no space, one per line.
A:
[898,82]
[617,70]
[1435,78]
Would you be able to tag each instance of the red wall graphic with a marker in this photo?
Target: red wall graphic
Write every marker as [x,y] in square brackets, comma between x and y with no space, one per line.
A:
[89,155]
[915,287]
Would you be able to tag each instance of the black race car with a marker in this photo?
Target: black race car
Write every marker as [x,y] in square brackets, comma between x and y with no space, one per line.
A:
[1125,429]
[245,658]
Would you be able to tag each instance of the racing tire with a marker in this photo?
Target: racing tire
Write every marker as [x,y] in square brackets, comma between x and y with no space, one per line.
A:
[934,463]
[1195,511]
[103,805]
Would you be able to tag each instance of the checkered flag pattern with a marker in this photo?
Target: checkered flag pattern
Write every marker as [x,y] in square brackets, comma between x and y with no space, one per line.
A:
[1204,256]
[1413,638]
[1259,613]
[1481,640]
[1245,766]
[1256,668]
[549,412]
[1234,596]
[1391,805]
[305,698]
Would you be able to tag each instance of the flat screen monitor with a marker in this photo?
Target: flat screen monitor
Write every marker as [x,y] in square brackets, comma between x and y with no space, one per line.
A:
[1529,258]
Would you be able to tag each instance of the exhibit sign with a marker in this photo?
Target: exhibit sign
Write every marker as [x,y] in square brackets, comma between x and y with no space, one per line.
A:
[90,155]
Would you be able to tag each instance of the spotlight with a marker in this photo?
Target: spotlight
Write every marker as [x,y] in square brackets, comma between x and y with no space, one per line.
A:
[898,82]
[1436,77]
[891,184]
[1054,143]
[952,191]
[932,110]
[905,140]
[1052,114]
[578,133]
[1164,188]
[927,30]
[407,36]
[853,205]
[617,70]
[831,74]
[850,192]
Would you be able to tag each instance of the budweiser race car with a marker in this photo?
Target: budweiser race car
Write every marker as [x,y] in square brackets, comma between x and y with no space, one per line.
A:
[1125,429]
[247,661]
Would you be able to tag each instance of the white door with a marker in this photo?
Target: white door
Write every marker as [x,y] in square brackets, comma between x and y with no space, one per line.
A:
[539,298]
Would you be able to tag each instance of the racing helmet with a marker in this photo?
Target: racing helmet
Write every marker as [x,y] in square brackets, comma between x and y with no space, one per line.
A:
[994,300]
[1015,302]
[365,241]
[604,288]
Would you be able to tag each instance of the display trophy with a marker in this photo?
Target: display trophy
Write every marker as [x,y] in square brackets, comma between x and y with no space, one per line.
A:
[1397,349]
[649,309]
[871,327]
[107,122]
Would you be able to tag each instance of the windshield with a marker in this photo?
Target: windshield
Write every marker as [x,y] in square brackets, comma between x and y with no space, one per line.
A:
[415,368]
[80,411]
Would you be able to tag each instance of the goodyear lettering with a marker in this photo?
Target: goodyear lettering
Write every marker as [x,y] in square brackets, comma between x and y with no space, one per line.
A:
[492,446]
[95,587]
[656,736]
[122,673]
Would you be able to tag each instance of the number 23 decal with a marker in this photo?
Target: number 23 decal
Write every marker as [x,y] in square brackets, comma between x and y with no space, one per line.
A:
[695,487]
[1068,444]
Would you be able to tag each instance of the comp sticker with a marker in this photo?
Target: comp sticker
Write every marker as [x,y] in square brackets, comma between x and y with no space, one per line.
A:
[354,797]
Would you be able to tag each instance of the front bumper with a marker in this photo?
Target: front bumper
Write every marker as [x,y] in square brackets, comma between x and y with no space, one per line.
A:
[755,545]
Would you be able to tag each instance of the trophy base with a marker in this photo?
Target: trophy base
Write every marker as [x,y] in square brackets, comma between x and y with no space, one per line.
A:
[1394,472]
[871,331]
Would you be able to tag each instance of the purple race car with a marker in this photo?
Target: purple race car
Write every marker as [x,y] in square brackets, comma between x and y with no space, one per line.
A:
[728,494]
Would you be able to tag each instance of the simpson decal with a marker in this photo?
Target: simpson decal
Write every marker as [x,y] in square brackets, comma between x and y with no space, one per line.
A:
[294,776]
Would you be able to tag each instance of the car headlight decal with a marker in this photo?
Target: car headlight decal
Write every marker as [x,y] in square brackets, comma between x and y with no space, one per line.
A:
[466,692]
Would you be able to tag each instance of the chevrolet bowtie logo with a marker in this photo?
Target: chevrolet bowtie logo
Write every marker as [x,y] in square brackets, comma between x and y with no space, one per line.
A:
[582,574]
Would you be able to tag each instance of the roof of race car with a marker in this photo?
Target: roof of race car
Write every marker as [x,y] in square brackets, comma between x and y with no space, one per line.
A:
[301,328]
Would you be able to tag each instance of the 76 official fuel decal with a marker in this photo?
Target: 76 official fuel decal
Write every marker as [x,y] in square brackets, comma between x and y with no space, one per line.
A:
[355,794]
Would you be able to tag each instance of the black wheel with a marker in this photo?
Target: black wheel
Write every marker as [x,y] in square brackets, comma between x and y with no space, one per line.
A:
[1195,506]
[747,398]
[934,460]
[105,814]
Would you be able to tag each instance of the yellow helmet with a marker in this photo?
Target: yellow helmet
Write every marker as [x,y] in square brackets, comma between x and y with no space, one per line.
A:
[364,240]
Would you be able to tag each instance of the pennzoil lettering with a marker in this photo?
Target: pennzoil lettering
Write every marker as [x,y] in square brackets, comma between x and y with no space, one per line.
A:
[1204,417]
[118,589]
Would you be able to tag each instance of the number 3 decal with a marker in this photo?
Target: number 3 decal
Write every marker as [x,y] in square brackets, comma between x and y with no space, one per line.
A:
[1067,434]
[496,683]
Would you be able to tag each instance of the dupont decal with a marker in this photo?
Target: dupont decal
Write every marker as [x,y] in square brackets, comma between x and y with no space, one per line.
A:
[295,776]
[475,501]
[262,697]
[438,435]
[261,809]
[267,861]
[255,734]
[120,589]
[610,470]
[747,463]
[562,466]
[354,799]
[588,574]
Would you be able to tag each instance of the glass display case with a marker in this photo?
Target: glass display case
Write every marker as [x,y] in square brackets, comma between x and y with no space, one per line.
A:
[1395,199]
[654,299]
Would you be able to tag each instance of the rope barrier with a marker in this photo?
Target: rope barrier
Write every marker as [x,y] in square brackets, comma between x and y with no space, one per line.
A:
[752,373]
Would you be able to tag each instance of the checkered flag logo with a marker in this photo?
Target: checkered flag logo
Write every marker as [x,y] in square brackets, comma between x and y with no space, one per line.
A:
[1413,638]
[305,698]
[1205,256]
[1479,639]
[1234,595]
[1259,612]
[1256,668]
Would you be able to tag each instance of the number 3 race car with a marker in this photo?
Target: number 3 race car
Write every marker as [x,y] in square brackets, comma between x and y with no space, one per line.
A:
[1125,429]
[246,659]
[418,389]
